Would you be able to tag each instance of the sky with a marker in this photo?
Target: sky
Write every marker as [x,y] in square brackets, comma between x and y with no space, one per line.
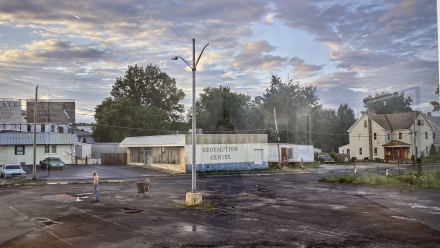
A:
[348,49]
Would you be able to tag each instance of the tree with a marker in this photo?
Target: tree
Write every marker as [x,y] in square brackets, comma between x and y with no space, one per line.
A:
[150,87]
[323,128]
[144,102]
[117,119]
[293,104]
[344,120]
[388,103]
[436,104]
[221,110]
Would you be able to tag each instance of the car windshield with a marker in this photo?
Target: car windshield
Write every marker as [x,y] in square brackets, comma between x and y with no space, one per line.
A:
[54,159]
[13,167]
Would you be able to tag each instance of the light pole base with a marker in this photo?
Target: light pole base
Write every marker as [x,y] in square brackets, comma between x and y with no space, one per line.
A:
[193,198]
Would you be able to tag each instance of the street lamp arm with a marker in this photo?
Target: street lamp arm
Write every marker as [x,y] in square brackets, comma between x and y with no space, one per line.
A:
[184,60]
[200,55]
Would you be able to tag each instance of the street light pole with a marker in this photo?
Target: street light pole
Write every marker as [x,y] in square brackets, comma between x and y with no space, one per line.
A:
[193,67]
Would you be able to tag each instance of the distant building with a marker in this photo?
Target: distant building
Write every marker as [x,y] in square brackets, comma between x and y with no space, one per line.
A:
[290,152]
[17,147]
[84,137]
[215,152]
[435,123]
[390,137]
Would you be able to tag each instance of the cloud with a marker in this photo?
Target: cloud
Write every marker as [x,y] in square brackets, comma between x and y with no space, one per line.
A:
[87,44]
[254,55]
[303,70]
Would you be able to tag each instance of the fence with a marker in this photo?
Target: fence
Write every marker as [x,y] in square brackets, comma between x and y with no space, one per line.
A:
[114,158]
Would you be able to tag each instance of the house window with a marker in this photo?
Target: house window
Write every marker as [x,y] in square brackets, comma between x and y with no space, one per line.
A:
[360,151]
[43,128]
[365,123]
[426,135]
[84,140]
[420,122]
[19,150]
[375,151]
[400,135]
[137,154]
[166,155]
[52,128]
[433,135]
[60,130]
[54,148]
[388,136]
[46,148]
[426,150]
[374,136]
[29,127]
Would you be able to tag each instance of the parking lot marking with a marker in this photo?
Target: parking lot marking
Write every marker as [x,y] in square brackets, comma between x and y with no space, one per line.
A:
[51,233]
[111,222]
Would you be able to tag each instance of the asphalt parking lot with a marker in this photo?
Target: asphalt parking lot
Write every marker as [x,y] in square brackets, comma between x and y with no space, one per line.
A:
[294,210]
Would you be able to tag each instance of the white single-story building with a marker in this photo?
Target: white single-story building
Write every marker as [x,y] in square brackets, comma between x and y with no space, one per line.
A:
[17,147]
[214,152]
[290,152]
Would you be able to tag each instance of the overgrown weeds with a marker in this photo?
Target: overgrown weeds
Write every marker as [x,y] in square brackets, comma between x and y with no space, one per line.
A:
[427,179]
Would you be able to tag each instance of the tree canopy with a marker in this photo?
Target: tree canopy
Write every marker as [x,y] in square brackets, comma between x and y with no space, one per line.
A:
[388,103]
[144,102]
[220,109]
[293,104]
[117,119]
[150,87]
[436,104]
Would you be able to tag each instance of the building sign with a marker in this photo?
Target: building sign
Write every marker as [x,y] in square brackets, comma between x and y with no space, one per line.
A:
[19,150]
[10,112]
[51,112]
[220,153]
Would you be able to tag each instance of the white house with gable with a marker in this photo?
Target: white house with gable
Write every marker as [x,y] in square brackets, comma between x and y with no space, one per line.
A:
[390,137]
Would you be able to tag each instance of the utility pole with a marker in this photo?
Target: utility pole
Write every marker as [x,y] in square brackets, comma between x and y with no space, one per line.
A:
[34,167]
[370,136]
[278,138]
[308,130]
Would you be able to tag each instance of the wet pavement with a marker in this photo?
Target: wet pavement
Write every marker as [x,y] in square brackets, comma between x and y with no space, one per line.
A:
[294,211]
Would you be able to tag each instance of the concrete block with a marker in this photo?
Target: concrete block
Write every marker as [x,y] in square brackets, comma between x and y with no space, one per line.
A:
[193,198]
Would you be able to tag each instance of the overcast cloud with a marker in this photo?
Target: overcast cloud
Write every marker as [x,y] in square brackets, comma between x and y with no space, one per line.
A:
[349,49]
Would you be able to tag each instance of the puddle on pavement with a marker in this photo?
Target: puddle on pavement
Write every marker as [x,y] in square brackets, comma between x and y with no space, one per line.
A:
[192,228]
[133,211]
[66,198]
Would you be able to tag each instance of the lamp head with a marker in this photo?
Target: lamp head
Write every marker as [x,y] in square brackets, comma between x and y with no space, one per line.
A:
[174,58]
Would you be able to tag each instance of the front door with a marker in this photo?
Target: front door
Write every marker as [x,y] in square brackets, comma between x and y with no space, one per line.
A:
[148,159]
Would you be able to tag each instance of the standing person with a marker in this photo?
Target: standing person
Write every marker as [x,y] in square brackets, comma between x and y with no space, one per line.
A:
[302,164]
[95,185]
[48,169]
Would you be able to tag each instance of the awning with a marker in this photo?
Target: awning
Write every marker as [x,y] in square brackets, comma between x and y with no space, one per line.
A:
[396,143]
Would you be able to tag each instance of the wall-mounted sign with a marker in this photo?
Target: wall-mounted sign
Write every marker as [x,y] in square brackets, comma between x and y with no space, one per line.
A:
[51,112]
[10,112]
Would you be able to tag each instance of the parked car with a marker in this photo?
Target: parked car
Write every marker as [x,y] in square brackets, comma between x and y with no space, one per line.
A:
[326,159]
[11,170]
[53,162]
